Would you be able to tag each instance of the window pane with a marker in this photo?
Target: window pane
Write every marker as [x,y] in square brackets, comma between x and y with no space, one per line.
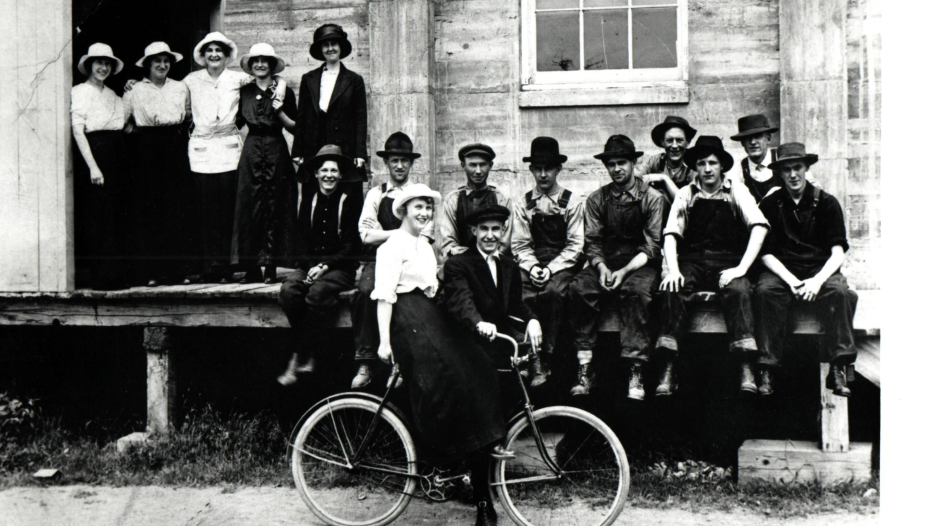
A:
[652,2]
[558,41]
[556,4]
[654,32]
[606,39]
[605,3]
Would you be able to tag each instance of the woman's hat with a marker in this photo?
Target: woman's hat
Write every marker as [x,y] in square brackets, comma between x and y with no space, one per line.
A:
[216,36]
[157,48]
[793,151]
[705,145]
[262,50]
[672,121]
[330,32]
[752,125]
[99,50]
[414,191]
[479,215]
[619,146]
[545,150]
[331,152]
[399,144]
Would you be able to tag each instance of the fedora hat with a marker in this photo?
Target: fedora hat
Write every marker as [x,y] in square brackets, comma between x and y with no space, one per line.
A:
[705,145]
[330,32]
[99,50]
[216,36]
[414,191]
[545,150]
[399,144]
[672,121]
[793,151]
[157,48]
[481,214]
[619,146]
[262,50]
[331,152]
[476,149]
[752,125]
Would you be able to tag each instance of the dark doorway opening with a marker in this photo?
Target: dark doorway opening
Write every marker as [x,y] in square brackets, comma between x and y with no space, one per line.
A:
[129,26]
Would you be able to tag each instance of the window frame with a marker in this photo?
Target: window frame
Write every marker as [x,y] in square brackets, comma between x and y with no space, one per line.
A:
[602,87]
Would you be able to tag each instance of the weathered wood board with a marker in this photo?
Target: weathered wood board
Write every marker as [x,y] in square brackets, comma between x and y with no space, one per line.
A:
[787,461]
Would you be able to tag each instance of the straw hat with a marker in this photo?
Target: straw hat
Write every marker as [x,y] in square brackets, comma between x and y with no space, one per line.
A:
[414,191]
[157,48]
[262,50]
[99,50]
[216,36]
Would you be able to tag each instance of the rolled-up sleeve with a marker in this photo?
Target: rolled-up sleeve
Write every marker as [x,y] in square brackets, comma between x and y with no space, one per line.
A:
[521,241]
[389,262]
[593,229]
[575,238]
[676,223]
[370,210]
[653,204]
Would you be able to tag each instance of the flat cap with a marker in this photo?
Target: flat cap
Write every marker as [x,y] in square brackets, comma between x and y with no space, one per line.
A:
[476,149]
[487,212]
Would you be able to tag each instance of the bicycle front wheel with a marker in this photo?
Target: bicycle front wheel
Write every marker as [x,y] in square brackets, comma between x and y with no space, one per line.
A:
[375,490]
[588,488]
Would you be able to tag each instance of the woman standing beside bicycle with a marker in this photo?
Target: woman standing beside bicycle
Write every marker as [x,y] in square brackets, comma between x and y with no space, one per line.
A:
[452,382]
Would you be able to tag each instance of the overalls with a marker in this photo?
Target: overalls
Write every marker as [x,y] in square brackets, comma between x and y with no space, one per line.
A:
[622,233]
[365,320]
[714,240]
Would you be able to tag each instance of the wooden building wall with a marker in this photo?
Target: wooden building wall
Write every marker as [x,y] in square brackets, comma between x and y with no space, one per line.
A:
[35,135]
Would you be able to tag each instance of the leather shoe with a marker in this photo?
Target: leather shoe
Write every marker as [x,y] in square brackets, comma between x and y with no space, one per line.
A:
[289,377]
[485,514]
[362,378]
[840,381]
[537,373]
[666,385]
[583,381]
[635,383]
[748,384]
[765,387]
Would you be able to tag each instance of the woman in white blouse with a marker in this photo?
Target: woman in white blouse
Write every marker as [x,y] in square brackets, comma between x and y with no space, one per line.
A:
[157,112]
[99,182]
[452,382]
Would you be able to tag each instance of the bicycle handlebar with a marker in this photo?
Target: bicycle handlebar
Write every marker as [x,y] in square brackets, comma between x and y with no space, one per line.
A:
[510,340]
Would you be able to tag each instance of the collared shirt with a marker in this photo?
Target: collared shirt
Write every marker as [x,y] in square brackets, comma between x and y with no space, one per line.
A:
[522,243]
[652,205]
[370,207]
[729,190]
[492,261]
[328,79]
[402,264]
[151,105]
[98,109]
[657,164]
[450,243]
[215,145]
[759,172]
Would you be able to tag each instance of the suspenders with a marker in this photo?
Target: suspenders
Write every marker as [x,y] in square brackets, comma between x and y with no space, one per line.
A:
[562,202]
[339,211]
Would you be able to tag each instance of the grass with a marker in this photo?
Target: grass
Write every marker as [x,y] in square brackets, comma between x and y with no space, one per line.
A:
[215,449]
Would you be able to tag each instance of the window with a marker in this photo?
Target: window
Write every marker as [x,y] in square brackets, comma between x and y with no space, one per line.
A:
[583,52]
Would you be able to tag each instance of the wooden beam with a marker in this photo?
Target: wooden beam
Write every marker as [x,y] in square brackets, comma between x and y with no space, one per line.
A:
[834,416]
[160,394]
[788,461]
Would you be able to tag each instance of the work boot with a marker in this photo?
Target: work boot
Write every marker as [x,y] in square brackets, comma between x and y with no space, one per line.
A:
[362,378]
[485,514]
[583,382]
[839,381]
[289,377]
[765,387]
[666,385]
[307,365]
[748,384]
[635,383]
[537,373]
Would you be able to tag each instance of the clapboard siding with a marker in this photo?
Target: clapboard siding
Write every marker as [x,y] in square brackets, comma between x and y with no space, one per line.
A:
[35,129]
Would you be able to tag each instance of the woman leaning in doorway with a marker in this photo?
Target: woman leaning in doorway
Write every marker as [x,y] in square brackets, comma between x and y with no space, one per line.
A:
[99,201]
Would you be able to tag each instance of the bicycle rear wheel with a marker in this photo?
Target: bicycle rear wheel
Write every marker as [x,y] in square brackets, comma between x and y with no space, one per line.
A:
[593,486]
[376,490]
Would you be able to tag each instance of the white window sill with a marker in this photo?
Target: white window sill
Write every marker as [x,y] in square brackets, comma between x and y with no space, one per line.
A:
[543,96]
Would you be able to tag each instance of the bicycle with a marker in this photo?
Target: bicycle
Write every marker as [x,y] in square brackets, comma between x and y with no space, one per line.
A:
[355,462]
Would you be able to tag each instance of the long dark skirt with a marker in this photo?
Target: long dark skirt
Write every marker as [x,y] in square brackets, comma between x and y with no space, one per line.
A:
[453,384]
[100,237]
[161,192]
[266,202]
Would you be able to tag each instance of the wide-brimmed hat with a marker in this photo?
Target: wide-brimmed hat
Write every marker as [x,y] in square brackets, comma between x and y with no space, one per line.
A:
[414,191]
[331,152]
[262,50]
[484,213]
[705,145]
[672,121]
[752,125]
[330,32]
[545,150]
[216,36]
[619,146]
[100,50]
[476,149]
[157,48]
[792,151]
[399,144]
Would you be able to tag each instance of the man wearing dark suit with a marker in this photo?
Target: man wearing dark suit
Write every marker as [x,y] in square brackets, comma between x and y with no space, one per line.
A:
[332,107]
[481,289]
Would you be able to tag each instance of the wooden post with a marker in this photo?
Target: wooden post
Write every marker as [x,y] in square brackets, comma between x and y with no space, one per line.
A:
[160,399]
[401,69]
[834,417]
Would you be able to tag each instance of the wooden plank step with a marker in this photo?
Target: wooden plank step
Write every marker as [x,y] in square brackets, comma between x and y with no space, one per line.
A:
[868,363]
[789,461]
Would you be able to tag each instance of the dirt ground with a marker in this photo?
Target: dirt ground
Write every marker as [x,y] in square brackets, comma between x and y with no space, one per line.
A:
[105,506]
